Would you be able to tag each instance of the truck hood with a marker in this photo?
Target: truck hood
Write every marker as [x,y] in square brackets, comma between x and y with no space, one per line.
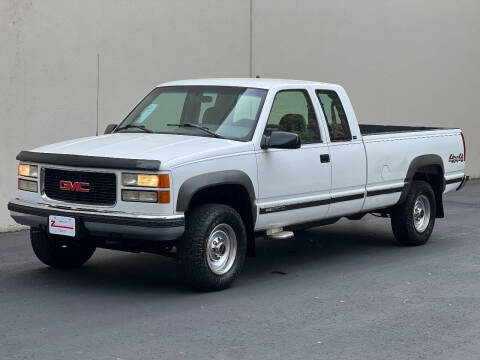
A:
[170,150]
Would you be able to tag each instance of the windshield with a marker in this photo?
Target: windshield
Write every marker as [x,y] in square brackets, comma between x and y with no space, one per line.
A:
[220,111]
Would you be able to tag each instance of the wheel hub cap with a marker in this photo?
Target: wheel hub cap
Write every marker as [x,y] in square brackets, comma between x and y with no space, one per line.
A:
[221,249]
[421,213]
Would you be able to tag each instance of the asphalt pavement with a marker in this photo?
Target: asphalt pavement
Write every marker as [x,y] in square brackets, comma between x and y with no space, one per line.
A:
[344,291]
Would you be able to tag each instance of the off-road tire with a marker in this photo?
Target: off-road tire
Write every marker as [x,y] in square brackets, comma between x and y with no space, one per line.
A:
[192,249]
[402,217]
[58,252]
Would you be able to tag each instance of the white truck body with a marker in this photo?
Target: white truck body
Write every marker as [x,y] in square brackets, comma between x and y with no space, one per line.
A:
[368,173]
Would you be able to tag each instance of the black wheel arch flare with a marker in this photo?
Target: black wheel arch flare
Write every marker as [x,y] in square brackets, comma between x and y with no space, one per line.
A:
[226,177]
[421,162]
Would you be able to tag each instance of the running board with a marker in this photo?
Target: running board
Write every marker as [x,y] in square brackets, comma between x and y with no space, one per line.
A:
[279,234]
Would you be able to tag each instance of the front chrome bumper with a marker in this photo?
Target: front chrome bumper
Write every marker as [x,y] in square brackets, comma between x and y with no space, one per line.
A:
[102,222]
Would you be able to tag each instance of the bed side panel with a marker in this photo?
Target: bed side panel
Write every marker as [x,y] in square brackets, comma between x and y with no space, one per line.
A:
[390,157]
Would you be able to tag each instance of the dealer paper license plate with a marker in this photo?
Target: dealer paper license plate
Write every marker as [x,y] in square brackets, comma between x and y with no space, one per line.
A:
[61,225]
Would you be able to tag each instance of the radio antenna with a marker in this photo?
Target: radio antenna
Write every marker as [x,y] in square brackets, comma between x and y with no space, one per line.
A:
[98,87]
[251,40]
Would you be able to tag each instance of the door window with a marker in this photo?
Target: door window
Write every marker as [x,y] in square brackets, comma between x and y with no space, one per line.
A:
[335,115]
[292,111]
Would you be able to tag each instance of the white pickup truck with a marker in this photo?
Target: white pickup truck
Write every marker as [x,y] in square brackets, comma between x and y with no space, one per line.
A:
[200,168]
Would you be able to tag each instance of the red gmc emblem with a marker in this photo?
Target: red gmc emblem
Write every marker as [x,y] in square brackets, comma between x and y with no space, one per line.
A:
[74,186]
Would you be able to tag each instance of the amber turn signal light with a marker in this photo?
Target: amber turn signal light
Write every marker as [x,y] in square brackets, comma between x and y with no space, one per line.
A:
[164,197]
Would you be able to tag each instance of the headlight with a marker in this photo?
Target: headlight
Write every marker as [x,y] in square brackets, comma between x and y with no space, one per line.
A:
[141,196]
[27,185]
[162,197]
[146,180]
[28,170]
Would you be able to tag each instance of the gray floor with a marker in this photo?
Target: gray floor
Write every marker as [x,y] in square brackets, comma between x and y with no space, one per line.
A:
[344,291]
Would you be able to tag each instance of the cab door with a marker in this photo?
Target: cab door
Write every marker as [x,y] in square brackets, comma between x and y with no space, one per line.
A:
[293,184]
[347,153]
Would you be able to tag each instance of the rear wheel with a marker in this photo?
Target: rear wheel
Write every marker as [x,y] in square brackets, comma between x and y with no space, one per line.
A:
[414,219]
[213,248]
[58,251]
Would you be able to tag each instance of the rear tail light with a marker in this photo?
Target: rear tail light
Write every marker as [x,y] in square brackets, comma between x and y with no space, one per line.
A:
[464,147]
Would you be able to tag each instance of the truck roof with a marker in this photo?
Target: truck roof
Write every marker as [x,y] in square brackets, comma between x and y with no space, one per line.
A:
[243,82]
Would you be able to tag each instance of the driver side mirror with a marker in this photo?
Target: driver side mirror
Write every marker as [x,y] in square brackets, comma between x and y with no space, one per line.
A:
[109,129]
[281,140]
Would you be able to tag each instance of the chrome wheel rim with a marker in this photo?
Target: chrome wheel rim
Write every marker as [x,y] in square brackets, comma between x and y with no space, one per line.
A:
[421,213]
[221,249]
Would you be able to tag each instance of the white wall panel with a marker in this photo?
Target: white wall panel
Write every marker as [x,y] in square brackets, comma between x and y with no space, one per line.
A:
[48,63]
[402,62]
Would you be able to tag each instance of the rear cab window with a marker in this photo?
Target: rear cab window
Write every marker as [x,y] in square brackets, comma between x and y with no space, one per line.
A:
[335,115]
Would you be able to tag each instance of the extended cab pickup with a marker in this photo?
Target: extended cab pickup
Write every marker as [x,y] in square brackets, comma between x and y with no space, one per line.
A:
[200,168]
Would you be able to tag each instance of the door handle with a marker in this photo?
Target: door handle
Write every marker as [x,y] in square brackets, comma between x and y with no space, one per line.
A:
[324,158]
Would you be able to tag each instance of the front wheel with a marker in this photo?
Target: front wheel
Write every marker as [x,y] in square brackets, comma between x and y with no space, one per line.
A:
[413,220]
[213,248]
[58,251]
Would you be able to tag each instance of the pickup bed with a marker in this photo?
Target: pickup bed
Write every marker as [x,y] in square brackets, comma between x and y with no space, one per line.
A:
[200,168]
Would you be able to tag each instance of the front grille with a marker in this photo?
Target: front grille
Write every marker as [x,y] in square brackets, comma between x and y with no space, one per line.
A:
[102,186]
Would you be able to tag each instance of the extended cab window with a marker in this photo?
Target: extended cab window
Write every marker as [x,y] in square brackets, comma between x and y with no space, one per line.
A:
[292,111]
[335,115]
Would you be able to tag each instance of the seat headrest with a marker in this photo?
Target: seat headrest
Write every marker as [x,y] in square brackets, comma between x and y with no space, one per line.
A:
[292,122]
[212,116]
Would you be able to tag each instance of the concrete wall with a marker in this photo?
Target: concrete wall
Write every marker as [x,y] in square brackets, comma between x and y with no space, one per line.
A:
[48,63]
[402,62]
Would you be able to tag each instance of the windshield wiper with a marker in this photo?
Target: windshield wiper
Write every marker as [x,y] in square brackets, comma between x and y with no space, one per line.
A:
[131,126]
[196,126]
